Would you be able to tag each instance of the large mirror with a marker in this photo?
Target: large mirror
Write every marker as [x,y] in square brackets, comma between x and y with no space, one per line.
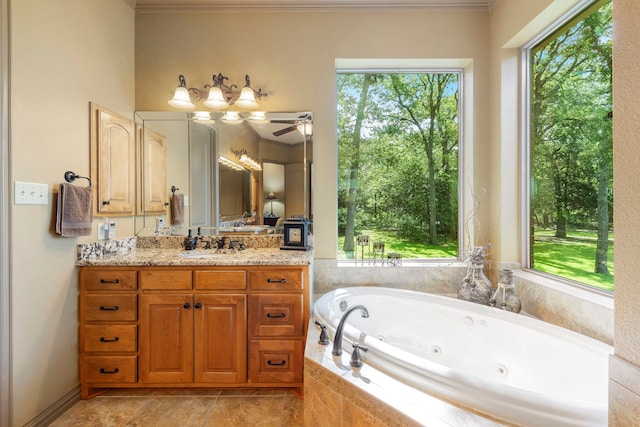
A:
[205,172]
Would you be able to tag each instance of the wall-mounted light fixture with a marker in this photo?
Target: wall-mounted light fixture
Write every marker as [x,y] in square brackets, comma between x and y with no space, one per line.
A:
[217,97]
[231,118]
[230,164]
[246,160]
[202,117]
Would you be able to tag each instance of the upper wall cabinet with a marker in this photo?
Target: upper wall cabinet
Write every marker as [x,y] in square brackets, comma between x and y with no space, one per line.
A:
[112,162]
[153,185]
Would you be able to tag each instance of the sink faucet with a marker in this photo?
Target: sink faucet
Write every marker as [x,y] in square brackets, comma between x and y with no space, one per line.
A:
[337,339]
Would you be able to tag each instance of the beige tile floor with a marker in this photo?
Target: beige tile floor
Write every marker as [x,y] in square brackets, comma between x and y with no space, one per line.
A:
[186,408]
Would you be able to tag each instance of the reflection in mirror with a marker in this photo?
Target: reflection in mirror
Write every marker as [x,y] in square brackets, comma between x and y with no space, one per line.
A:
[256,171]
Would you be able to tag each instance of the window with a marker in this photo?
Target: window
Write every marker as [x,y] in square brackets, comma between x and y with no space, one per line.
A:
[570,150]
[398,163]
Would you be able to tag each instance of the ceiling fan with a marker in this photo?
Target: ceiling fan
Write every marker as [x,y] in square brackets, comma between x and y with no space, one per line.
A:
[294,124]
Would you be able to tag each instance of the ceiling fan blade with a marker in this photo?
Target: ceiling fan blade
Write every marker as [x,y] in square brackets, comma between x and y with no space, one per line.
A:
[283,131]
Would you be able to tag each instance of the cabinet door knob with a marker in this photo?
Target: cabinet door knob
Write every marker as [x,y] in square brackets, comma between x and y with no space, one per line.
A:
[186,305]
[198,305]
[106,202]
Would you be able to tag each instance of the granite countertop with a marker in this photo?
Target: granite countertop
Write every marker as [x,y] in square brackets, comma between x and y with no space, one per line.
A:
[169,252]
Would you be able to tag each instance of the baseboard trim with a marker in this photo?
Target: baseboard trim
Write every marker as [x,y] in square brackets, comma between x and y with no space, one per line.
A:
[47,416]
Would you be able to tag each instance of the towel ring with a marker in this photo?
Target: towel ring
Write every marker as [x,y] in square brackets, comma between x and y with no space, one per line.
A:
[71,176]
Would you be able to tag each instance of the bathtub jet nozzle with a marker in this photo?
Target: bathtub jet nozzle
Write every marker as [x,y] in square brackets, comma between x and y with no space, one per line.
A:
[337,339]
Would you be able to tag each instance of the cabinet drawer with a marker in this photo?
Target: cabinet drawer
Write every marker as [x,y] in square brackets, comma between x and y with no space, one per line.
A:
[110,307]
[165,279]
[110,369]
[109,338]
[275,315]
[109,280]
[275,279]
[276,361]
[220,279]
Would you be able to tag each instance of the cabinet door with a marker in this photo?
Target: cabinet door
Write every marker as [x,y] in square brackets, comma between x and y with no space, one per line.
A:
[220,338]
[113,141]
[154,173]
[166,338]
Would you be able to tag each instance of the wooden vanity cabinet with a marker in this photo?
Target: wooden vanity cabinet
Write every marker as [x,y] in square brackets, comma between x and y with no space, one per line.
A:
[277,325]
[192,327]
[108,328]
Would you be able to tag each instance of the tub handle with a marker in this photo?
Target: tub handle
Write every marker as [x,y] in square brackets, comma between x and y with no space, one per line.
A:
[324,339]
[356,358]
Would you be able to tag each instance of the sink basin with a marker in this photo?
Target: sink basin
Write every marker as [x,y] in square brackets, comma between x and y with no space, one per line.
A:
[246,229]
[207,253]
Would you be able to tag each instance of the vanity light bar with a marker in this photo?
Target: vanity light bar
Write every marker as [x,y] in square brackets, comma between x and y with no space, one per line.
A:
[230,164]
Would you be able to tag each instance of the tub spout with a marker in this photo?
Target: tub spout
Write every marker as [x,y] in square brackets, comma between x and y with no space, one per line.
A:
[337,339]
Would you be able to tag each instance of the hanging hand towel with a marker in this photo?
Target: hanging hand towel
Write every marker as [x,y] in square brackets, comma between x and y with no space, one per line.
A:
[75,210]
[177,209]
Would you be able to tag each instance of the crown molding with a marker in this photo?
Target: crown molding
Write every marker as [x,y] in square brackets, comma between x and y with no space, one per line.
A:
[307,5]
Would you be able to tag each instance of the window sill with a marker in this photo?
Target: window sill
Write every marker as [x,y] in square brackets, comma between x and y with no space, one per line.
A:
[594,296]
[405,263]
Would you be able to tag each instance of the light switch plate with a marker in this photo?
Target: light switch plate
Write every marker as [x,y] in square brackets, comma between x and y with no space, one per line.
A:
[30,193]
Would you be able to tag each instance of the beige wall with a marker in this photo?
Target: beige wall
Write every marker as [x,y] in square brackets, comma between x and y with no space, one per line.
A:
[70,52]
[63,55]
[626,127]
[625,385]
[292,57]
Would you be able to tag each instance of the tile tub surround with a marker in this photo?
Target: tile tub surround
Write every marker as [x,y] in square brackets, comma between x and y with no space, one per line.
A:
[336,394]
[583,311]
[168,251]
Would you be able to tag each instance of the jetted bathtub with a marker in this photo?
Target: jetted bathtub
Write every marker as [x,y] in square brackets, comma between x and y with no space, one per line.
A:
[509,366]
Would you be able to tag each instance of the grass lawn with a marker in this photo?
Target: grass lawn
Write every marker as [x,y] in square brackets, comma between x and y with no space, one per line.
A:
[572,257]
[407,249]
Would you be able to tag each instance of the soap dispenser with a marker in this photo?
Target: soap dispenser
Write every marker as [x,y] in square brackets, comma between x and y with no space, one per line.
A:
[190,242]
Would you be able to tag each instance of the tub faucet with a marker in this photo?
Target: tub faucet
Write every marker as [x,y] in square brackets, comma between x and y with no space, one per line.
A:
[337,339]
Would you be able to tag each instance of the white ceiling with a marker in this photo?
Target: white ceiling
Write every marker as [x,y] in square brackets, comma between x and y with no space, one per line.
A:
[312,4]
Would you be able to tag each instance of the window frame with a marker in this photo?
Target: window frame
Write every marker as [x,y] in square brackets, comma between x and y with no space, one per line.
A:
[460,72]
[573,15]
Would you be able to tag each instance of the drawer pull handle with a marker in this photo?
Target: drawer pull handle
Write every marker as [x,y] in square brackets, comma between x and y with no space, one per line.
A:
[276,316]
[280,363]
[276,280]
[103,339]
[111,282]
[114,308]
[104,371]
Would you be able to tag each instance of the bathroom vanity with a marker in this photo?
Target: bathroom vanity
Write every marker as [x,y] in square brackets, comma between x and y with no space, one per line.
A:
[169,318]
